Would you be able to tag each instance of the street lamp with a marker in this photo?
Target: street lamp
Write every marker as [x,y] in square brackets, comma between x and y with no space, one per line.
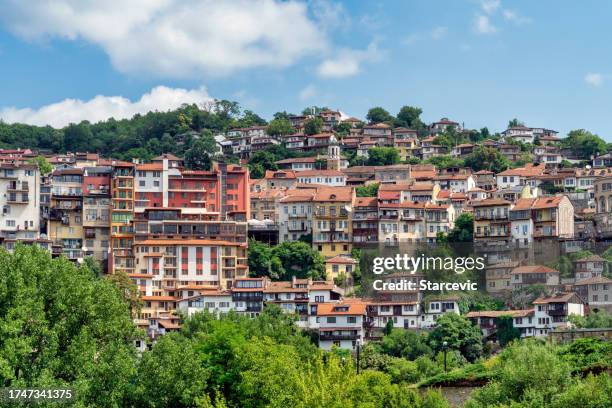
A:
[358,343]
[445,348]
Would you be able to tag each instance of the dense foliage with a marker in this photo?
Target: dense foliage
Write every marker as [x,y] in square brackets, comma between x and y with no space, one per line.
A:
[284,261]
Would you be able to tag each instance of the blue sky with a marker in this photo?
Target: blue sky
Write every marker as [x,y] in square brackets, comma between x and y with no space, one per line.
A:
[549,63]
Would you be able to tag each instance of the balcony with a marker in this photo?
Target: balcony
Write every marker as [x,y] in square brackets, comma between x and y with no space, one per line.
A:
[557,311]
[298,215]
[14,187]
[330,336]
[491,217]
[18,200]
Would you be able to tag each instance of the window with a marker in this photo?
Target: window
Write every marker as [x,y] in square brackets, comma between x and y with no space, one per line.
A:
[351,319]
[331,319]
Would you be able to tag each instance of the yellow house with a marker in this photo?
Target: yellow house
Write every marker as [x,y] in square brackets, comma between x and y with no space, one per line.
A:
[332,231]
[340,266]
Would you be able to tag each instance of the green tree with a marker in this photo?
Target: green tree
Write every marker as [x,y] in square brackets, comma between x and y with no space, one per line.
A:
[528,373]
[446,161]
[515,123]
[463,230]
[198,157]
[584,144]
[43,165]
[261,161]
[459,333]
[78,138]
[383,156]
[506,332]
[594,320]
[409,117]
[299,259]
[342,128]
[406,344]
[262,261]
[379,115]
[370,190]
[280,127]
[487,158]
[62,326]
[172,373]
[313,126]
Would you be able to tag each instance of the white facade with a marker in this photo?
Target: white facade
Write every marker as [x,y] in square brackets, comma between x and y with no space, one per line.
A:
[20,202]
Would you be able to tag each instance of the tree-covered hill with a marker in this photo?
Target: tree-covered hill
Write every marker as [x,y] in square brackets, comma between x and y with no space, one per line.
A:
[142,136]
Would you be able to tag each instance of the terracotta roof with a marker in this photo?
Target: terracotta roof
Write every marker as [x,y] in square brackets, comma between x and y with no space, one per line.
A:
[280,174]
[498,313]
[150,167]
[283,287]
[547,202]
[394,187]
[331,309]
[377,126]
[340,259]
[483,172]
[594,280]
[523,204]
[529,170]
[298,195]
[160,298]
[533,269]
[591,258]
[557,298]
[272,193]
[366,202]
[424,186]
[168,156]
[334,194]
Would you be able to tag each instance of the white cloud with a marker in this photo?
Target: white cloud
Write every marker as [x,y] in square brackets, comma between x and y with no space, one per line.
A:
[490,6]
[439,33]
[102,107]
[594,79]
[410,39]
[514,17]
[330,15]
[482,25]
[308,93]
[347,62]
[177,38]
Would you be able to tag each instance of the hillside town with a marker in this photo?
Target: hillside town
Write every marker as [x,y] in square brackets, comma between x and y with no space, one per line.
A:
[182,234]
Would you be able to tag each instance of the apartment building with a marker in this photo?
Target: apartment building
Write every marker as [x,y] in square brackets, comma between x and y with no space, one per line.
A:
[341,267]
[436,306]
[296,214]
[332,221]
[121,257]
[523,276]
[365,220]
[331,178]
[498,277]
[443,125]
[265,205]
[487,320]
[492,222]
[596,292]
[551,312]
[341,324]
[380,133]
[66,213]
[591,266]
[519,176]
[20,200]
[553,217]
[96,213]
